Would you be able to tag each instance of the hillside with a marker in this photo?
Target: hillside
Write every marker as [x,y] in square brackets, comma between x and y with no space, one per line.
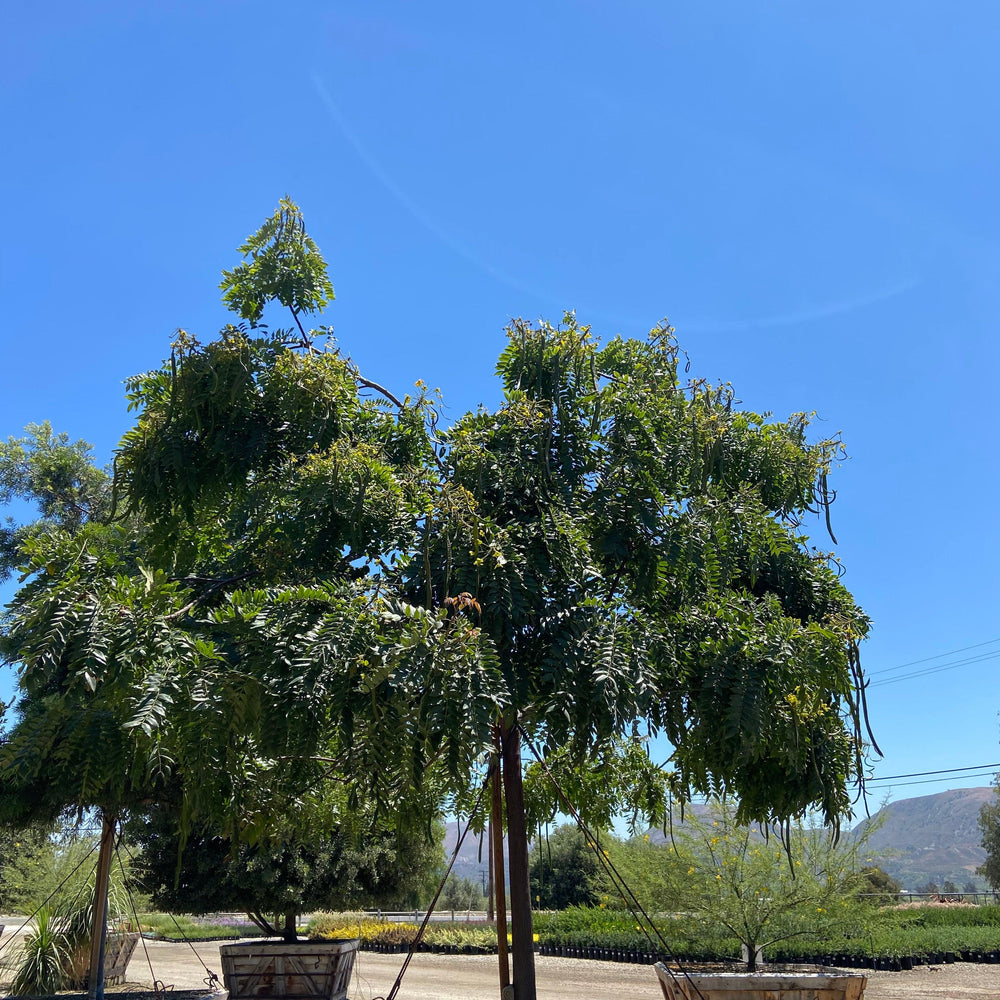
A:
[931,837]
[922,839]
[473,860]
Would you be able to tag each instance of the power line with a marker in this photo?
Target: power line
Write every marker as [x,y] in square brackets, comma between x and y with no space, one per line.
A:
[982,657]
[931,781]
[938,656]
[947,770]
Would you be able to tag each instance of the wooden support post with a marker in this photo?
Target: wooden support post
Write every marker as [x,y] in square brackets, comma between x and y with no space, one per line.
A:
[522,938]
[99,933]
[490,891]
[496,854]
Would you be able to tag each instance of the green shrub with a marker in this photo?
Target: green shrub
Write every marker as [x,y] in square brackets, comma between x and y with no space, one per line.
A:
[45,956]
[184,927]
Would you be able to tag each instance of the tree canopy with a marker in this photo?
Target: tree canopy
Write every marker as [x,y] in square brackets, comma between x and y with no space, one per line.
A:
[301,579]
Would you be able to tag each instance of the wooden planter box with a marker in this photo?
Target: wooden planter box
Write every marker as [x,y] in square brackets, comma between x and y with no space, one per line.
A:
[117,952]
[283,969]
[788,983]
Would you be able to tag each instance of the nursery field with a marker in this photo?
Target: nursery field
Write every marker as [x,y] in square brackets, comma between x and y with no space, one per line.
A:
[888,938]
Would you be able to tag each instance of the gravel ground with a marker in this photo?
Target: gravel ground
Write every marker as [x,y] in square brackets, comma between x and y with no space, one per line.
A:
[474,977]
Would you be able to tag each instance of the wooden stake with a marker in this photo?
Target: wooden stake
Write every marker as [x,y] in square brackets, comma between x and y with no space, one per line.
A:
[522,937]
[496,854]
[490,891]
[99,933]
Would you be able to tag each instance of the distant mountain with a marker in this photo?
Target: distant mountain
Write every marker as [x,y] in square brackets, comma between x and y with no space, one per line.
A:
[471,862]
[931,838]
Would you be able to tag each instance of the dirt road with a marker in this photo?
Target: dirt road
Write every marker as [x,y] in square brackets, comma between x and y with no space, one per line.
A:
[474,977]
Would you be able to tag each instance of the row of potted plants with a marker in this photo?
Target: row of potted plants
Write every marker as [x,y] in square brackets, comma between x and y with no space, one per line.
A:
[877,937]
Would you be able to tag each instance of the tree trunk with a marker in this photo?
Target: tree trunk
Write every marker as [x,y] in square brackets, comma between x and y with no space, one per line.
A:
[522,938]
[95,985]
[290,932]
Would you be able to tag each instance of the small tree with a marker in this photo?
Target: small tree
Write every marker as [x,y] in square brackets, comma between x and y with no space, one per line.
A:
[24,855]
[760,886]
[878,886]
[462,894]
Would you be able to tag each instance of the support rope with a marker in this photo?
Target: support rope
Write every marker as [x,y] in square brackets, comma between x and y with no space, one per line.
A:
[131,903]
[50,896]
[646,923]
[211,980]
[451,864]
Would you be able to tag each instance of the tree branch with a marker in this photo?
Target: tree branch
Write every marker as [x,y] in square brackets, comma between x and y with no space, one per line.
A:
[181,612]
[305,342]
[381,389]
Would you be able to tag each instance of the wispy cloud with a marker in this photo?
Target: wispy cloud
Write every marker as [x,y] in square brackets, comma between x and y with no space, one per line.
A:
[425,219]
[806,314]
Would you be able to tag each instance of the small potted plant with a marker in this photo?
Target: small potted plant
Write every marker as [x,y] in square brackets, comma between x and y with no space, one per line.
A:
[762,891]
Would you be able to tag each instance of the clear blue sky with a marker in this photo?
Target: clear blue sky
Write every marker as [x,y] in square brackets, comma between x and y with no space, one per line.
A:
[808,191]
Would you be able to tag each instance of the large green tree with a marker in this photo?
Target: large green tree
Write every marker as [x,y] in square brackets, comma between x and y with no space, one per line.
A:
[276,883]
[564,869]
[989,825]
[330,587]
[634,545]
